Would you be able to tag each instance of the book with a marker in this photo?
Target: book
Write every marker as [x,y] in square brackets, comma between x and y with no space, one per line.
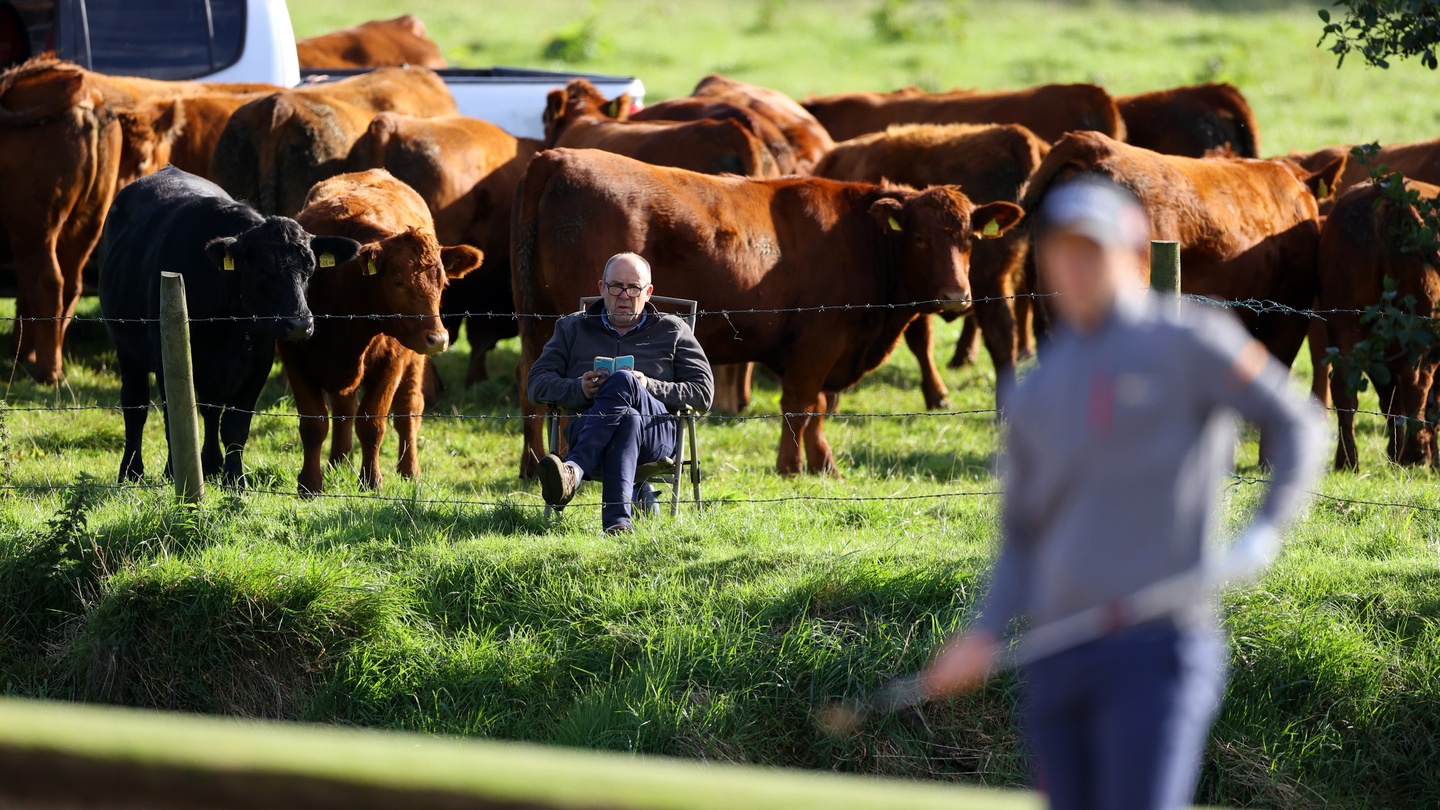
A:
[610,365]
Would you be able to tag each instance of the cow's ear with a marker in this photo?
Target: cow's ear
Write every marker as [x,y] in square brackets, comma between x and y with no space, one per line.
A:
[459,260]
[619,107]
[1322,181]
[333,251]
[890,213]
[991,221]
[221,251]
[554,105]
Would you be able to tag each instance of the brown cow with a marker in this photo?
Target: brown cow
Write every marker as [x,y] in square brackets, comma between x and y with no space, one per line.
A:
[989,162]
[378,43]
[400,271]
[275,148]
[1416,161]
[699,109]
[466,170]
[579,117]
[71,139]
[737,243]
[1248,229]
[1359,252]
[1191,121]
[809,139]
[203,119]
[1049,110]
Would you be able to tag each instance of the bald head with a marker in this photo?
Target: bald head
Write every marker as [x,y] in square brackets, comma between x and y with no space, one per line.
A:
[625,287]
[628,261]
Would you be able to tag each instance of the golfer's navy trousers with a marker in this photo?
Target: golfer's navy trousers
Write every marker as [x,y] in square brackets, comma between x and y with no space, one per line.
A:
[624,428]
[1120,723]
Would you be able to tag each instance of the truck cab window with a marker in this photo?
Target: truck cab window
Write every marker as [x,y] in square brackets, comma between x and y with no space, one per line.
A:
[159,39]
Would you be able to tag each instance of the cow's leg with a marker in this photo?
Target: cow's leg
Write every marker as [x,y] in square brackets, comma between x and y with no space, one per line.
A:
[801,401]
[44,293]
[314,425]
[1412,386]
[24,336]
[1343,332]
[732,387]
[211,458]
[407,407]
[532,339]
[920,337]
[1282,335]
[483,337]
[1024,313]
[1317,335]
[997,325]
[343,409]
[967,348]
[818,457]
[235,423]
[370,424]
[135,409]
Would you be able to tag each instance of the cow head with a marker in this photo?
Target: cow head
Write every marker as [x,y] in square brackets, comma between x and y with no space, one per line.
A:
[933,231]
[407,272]
[578,100]
[147,134]
[273,262]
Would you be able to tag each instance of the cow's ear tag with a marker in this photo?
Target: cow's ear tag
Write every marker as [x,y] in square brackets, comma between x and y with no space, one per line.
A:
[1324,189]
[370,268]
[615,108]
[992,228]
[894,224]
[327,259]
[229,263]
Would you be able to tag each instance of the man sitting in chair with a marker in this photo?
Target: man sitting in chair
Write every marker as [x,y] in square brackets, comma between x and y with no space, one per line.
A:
[624,419]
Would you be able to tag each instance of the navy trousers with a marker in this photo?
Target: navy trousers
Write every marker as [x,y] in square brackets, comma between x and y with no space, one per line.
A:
[1121,723]
[624,428]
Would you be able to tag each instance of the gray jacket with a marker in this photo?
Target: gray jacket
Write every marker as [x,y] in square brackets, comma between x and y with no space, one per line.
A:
[1117,447]
[665,350]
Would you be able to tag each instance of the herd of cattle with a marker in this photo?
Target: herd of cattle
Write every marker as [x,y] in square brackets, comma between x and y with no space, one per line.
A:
[355,223]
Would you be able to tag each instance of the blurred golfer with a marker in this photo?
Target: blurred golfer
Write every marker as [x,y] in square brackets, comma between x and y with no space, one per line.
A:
[1116,450]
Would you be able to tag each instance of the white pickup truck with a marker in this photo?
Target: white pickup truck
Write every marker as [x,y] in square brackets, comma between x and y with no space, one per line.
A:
[247,41]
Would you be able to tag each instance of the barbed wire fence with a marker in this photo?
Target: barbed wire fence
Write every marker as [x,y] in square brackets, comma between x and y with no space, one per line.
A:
[1257,306]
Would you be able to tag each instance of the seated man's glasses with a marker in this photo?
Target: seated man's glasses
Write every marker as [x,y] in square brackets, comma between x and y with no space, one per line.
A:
[619,290]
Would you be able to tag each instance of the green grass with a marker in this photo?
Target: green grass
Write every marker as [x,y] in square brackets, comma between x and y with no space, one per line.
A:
[717,636]
[1267,48]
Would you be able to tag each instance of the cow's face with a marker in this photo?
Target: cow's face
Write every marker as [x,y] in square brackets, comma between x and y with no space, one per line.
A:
[408,272]
[580,98]
[273,262]
[936,229]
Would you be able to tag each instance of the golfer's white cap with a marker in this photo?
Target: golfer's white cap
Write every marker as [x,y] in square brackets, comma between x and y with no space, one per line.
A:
[1098,209]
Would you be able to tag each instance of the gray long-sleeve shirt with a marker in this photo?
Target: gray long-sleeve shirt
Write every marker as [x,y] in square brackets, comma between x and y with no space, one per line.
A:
[1117,446]
[675,367]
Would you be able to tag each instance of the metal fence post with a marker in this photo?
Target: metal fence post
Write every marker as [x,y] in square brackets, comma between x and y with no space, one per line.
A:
[179,392]
[1165,268]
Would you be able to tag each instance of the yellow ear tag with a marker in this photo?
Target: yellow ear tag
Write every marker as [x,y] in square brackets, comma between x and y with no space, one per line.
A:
[327,259]
[229,263]
[370,268]
[894,224]
[1324,189]
[615,108]
[992,228]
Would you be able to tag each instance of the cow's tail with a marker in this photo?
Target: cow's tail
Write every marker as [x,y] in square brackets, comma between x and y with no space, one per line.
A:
[525,230]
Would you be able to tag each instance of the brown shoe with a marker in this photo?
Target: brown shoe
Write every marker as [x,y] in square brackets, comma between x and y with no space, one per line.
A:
[558,480]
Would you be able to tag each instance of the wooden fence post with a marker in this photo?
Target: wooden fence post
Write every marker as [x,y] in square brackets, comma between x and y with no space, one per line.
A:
[180,409]
[1165,268]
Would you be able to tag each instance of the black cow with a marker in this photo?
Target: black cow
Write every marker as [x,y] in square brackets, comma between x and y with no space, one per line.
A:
[237,264]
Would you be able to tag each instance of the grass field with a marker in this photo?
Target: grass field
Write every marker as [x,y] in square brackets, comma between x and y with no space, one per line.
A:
[453,607]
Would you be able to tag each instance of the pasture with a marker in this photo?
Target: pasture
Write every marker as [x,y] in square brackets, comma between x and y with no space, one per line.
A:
[451,606]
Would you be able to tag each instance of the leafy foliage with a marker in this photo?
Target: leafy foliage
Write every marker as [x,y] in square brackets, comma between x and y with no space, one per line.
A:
[1396,333]
[915,20]
[1382,29]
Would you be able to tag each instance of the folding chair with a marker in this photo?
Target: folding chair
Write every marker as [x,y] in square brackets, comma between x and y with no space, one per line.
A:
[668,471]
